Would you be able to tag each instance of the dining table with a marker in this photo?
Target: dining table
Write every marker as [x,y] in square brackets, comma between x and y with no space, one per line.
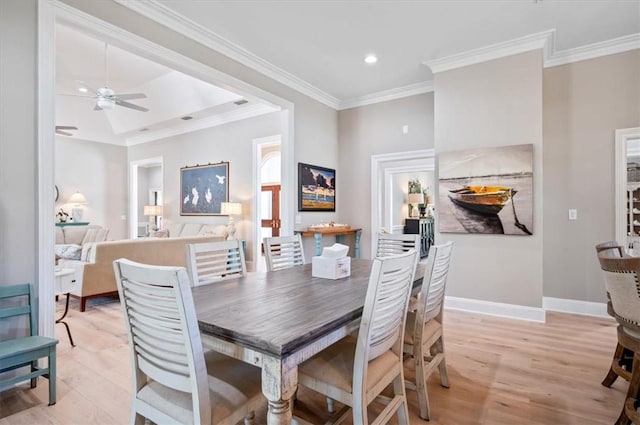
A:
[277,320]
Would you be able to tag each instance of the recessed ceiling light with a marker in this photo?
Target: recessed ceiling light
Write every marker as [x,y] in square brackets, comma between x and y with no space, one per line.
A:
[82,89]
[371,59]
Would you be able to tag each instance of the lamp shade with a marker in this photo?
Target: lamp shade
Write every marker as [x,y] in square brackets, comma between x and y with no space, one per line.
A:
[153,210]
[231,208]
[78,199]
[416,198]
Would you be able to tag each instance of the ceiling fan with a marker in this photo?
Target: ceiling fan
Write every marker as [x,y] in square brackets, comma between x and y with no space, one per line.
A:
[106,98]
[62,130]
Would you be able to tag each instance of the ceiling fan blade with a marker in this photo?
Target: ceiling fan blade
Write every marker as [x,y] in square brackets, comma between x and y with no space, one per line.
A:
[131,96]
[130,105]
[66,127]
[91,89]
[63,133]
[86,96]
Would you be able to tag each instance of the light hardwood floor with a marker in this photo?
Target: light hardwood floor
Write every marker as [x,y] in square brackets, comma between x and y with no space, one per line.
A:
[501,371]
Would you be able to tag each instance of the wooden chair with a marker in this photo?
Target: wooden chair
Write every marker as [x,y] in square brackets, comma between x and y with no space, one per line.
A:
[283,252]
[174,382]
[22,352]
[212,262]
[423,339]
[622,358]
[355,371]
[622,275]
[393,244]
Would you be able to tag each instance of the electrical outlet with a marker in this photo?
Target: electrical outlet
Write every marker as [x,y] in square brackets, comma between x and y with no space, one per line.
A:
[405,129]
[573,214]
[298,219]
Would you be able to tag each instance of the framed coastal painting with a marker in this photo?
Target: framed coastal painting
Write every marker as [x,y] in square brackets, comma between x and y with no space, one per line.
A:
[203,189]
[316,188]
[487,190]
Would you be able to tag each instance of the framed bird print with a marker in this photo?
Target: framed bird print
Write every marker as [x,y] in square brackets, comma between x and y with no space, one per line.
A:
[203,189]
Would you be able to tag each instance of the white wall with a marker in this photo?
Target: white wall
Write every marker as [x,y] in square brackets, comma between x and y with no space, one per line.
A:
[495,103]
[99,172]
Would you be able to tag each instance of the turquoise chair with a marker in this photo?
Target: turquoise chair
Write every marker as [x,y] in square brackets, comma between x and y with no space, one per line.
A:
[22,352]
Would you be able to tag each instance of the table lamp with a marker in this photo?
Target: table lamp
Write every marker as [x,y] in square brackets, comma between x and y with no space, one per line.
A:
[231,209]
[153,211]
[77,199]
[415,199]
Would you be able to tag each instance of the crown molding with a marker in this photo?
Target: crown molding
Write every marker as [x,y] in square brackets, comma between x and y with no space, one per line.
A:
[200,124]
[387,95]
[544,40]
[592,51]
[160,13]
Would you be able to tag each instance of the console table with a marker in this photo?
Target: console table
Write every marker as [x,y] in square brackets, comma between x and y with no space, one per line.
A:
[65,280]
[338,232]
[424,228]
[73,223]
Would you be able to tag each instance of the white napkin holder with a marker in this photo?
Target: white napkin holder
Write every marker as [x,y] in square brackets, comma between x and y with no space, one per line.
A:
[333,263]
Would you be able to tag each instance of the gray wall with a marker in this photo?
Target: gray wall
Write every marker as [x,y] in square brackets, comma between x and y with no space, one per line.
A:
[584,103]
[99,172]
[18,163]
[231,142]
[495,103]
[372,130]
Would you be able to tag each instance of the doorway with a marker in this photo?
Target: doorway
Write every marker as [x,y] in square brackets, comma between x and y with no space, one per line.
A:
[270,214]
[269,206]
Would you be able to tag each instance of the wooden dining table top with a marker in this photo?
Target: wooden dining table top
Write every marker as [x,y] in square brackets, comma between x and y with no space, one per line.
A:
[278,312]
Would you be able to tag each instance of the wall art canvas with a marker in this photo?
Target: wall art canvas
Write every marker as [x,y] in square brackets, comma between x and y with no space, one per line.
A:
[316,188]
[204,188]
[488,190]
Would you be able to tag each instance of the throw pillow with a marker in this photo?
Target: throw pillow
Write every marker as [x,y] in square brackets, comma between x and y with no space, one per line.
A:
[68,251]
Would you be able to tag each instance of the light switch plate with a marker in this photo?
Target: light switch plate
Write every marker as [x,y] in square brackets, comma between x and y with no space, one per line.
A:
[573,214]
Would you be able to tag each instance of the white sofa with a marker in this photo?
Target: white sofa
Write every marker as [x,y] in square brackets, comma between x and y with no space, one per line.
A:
[72,242]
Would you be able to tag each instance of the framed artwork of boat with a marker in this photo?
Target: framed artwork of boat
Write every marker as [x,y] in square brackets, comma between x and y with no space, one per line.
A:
[487,190]
[316,188]
[203,189]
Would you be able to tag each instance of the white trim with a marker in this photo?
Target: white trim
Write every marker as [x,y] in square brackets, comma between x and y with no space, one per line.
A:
[202,123]
[595,50]
[160,13]
[256,189]
[621,137]
[542,40]
[44,289]
[377,163]
[387,95]
[133,190]
[563,305]
[511,311]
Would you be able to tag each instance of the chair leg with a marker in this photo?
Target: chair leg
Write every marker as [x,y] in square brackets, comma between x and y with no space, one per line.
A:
[34,367]
[52,377]
[399,390]
[632,392]
[421,384]
[612,375]
[442,367]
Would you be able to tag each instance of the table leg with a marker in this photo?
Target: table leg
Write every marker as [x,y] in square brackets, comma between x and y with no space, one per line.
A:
[60,320]
[357,244]
[318,238]
[279,383]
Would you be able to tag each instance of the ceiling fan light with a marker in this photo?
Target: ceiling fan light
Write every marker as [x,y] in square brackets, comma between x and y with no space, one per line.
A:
[106,103]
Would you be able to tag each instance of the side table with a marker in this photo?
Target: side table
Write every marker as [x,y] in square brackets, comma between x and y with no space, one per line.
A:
[65,281]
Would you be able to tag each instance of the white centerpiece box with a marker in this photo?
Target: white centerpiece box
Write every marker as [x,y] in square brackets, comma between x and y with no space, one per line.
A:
[333,263]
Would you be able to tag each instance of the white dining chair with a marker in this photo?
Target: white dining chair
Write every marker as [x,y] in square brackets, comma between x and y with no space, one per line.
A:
[283,252]
[396,243]
[174,382]
[423,340]
[355,370]
[211,262]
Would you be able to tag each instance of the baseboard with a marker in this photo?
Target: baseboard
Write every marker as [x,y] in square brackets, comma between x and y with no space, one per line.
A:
[511,311]
[575,306]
